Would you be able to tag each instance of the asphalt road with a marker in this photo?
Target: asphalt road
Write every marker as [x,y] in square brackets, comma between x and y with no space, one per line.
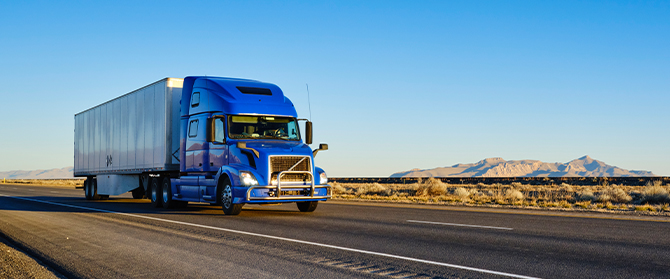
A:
[126,238]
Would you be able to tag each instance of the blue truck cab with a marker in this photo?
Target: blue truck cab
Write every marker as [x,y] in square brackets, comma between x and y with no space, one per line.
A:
[241,143]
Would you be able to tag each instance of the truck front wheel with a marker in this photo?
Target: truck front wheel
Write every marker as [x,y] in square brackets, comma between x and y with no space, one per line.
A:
[227,200]
[156,199]
[307,206]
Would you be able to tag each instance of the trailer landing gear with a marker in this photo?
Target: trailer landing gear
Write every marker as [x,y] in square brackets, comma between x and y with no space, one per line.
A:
[138,193]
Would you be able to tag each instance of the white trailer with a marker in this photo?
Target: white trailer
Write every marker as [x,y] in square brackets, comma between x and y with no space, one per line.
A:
[136,133]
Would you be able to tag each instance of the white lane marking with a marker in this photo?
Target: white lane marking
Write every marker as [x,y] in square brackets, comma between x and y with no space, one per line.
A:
[31,190]
[53,191]
[288,240]
[459,225]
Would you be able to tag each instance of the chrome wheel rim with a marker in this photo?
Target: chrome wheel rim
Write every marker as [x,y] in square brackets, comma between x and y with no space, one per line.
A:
[227,196]
[165,194]
[153,193]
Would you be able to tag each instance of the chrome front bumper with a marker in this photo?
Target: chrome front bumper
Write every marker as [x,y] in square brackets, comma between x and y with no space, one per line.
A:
[275,191]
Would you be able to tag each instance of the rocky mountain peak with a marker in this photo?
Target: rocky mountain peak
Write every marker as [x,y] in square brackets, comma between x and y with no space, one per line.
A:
[498,167]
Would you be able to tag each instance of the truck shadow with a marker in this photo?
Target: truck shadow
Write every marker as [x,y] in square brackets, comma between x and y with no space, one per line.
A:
[125,205]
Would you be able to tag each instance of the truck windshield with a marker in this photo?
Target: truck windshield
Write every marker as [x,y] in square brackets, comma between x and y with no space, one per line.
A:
[263,127]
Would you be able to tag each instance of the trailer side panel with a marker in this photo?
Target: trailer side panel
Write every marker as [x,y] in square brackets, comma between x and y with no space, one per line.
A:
[132,134]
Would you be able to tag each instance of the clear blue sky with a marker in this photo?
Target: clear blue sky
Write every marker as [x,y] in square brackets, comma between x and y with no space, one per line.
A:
[395,85]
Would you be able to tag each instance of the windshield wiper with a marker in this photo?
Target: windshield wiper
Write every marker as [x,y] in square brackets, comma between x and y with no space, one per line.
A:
[276,137]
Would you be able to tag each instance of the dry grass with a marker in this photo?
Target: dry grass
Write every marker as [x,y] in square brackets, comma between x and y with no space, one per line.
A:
[431,187]
[645,207]
[461,192]
[655,193]
[514,194]
[604,197]
[373,189]
[586,195]
[49,182]
[614,194]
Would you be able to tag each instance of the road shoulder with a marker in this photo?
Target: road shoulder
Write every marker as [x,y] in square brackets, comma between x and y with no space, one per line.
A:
[16,264]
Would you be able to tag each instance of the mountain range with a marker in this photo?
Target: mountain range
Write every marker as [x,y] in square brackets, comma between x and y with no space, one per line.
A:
[498,167]
[491,167]
[65,172]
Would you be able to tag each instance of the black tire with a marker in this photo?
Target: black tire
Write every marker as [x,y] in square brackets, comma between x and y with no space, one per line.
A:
[156,193]
[138,193]
[87,188]
[166,193]
[307,206]
[92,193]
[226,194]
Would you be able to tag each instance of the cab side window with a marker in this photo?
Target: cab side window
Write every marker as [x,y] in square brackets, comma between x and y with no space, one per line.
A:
[193,129]
[195,99]
[219,131]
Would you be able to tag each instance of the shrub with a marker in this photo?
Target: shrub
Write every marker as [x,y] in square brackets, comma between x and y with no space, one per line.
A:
[586,195]
[338,189]
[566,188]
[373,189]
[514,194]
[614,194]
[655,193]
[461,192]
[654,183]
[431,187]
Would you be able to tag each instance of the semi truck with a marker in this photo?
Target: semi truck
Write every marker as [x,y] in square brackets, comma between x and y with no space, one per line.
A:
[223,141]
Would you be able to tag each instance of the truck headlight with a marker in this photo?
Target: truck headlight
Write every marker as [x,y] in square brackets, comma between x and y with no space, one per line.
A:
[323,178]
[248,179]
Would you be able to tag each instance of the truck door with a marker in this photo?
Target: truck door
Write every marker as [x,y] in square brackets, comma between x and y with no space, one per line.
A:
[218,149]
[196,144]
[217,156]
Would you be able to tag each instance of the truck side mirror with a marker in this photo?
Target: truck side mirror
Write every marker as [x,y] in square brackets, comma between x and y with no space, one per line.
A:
[210,129]
[322,147]
[308,132]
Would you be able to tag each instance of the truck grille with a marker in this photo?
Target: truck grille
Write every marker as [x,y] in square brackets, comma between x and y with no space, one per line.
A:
[284,163]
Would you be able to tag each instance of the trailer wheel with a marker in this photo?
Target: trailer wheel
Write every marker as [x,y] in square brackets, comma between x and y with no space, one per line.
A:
[95,191]
[87,188]
[167,194]
[227,199]
[91,189]
[138,193]
[307,206]
[156,199]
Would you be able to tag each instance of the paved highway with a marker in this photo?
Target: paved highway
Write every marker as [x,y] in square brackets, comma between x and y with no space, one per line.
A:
[126,238]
